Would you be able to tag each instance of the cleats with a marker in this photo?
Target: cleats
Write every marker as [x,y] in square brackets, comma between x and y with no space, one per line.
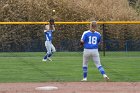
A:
[106,78]
[44,59]
[48,59]
[84,79]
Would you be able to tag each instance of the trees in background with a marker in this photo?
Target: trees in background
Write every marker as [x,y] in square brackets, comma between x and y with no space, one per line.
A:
[22,37]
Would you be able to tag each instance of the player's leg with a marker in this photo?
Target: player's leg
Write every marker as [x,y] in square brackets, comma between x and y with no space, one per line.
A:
[85,64]
[97,62]
[53,48]
[52,51]
[48,47]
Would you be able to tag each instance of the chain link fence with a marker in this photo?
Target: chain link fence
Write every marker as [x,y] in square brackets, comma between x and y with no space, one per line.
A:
[30,38]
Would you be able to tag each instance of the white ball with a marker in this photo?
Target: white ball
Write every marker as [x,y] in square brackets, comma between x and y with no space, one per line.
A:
[53,10]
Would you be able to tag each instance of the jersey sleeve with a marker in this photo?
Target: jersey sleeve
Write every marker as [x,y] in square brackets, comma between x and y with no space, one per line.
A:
[83,37]
[99,39]
[52,30]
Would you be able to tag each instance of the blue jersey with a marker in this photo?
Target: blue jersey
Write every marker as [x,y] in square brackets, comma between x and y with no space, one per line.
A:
[48,35]
[91,39]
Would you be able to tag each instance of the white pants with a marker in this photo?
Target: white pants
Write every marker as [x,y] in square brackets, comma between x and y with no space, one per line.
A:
[94,54]
[50,47]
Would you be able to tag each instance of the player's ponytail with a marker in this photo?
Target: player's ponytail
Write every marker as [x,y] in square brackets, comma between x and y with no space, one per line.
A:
[93,26]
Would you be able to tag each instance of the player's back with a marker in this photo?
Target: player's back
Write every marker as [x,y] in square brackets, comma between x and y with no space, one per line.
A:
[91,39]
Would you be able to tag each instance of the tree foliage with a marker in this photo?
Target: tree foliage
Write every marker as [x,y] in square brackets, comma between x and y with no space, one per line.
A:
[23,37]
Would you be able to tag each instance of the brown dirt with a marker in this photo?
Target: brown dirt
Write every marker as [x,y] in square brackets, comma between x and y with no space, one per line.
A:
[72,87]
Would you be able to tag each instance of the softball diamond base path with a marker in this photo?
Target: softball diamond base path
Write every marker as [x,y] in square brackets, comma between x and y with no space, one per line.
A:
[72,87]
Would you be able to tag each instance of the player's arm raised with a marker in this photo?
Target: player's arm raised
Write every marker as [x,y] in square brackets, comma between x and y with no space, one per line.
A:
[46,28]
[52,25]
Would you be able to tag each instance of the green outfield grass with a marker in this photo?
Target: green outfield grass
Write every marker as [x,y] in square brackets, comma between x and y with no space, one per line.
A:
[67,66]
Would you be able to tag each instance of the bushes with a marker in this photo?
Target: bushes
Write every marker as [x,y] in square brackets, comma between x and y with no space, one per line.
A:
[66,10]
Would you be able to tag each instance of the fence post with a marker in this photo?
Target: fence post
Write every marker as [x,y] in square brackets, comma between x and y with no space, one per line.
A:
[103,39]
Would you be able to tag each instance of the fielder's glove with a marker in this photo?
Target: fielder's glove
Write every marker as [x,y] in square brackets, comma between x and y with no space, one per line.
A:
[51,21]
[81,44]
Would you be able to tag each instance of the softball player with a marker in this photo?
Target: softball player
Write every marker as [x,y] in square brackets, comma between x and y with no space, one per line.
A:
[90,40]
[48,43]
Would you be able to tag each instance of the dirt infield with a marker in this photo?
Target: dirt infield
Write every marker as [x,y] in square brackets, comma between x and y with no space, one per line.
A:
[72,87]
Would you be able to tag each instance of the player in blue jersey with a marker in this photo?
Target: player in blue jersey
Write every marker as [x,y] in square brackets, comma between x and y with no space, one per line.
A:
[90,40]
[48,43]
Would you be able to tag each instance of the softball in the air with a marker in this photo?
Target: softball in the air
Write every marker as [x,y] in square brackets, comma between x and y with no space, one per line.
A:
[53,10]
